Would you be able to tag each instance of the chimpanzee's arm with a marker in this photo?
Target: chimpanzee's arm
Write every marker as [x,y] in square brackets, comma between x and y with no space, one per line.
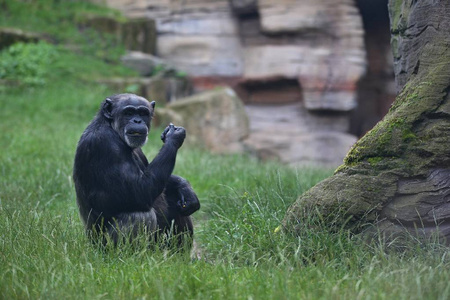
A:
[158,172]
[117,183]
[160,169]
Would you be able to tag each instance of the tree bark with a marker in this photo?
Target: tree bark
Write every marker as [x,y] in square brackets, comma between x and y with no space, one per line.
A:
[397,176]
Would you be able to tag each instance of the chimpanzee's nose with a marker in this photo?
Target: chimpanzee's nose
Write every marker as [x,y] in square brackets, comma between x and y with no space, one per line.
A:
[137,121]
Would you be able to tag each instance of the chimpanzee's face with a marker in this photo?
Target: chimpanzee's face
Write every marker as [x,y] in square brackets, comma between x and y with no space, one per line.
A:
[131,116]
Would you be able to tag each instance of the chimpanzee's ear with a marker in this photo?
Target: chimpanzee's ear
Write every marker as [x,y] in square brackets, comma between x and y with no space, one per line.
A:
[107,108]
[152,110]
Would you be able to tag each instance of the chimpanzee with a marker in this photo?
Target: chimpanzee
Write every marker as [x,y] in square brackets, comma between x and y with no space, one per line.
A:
[119,193]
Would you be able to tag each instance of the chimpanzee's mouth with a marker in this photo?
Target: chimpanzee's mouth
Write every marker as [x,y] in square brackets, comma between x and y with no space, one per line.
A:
[136,137]
[136,133]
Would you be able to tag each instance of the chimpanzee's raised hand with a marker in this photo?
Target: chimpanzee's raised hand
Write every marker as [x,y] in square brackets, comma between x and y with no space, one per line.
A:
[173,134]
[166,130]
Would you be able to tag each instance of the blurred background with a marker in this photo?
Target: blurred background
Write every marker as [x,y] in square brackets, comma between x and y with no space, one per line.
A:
[297,81]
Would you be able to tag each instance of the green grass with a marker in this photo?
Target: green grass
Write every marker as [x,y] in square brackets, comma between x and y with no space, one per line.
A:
[44,253]
[55,19]
[63,23]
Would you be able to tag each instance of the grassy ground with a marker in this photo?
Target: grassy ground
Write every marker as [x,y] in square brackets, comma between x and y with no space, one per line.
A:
[44,253]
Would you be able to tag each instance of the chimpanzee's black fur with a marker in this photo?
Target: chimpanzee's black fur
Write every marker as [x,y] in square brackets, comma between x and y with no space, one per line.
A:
[119,193]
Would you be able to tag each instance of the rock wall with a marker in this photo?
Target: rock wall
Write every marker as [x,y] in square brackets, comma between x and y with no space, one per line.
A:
[309,54]
[199,37]
[135,34]
[215,120]
[319,43]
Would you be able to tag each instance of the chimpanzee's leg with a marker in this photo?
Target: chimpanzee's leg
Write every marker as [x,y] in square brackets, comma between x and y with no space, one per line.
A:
[181,202]
[127,226]
[180,197]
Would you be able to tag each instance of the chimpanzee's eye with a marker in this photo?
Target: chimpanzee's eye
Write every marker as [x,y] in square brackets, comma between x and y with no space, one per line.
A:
[143,112]
[128,111]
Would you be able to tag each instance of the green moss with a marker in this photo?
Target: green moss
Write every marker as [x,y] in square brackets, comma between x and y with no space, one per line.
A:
[392,136]
[394,46]
[341,168]
[408,136]
[374,160]
[387,141]
[396,13]
[386,137]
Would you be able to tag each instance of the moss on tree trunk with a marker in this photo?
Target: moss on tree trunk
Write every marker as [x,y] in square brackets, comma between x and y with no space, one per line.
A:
[398,175]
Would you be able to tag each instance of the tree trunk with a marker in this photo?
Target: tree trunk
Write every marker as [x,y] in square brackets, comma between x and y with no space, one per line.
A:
[397,176]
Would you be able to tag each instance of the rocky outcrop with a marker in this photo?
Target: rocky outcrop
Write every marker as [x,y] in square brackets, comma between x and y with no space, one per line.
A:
[244,7]
[144,64]
[326,52]
[270,52]
[201,38]
[396,176]
[135,34]
[292,135]
[318,43]
[131,9]
[161,89]
[215,120]
[419,201]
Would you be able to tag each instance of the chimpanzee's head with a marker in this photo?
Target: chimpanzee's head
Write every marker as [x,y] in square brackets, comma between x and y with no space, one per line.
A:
[130,116]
